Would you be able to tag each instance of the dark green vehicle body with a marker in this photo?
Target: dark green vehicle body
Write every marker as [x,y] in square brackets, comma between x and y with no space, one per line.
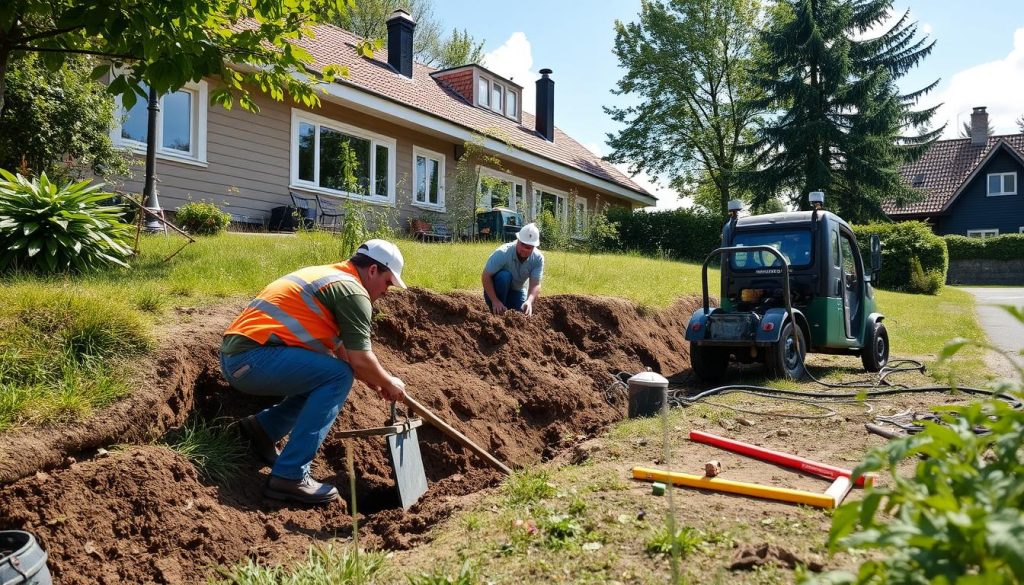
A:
[832,301]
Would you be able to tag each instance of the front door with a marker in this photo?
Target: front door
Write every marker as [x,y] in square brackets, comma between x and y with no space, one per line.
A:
[850,283]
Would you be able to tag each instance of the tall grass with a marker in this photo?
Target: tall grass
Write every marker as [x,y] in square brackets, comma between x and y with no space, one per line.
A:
[215,449]
[324,565]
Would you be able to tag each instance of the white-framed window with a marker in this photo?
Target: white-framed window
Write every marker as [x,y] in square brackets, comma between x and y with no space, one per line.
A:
[1002,184]
[986,233]
[552,200]
[338,159]
[180,124]
[497,97]
[498,189]
[428,179]
[581,216]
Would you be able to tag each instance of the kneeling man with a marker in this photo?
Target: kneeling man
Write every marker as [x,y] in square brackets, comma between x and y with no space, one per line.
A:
[508,271]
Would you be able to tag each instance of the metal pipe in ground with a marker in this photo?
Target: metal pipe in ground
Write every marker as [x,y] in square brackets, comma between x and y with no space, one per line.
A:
[447,429]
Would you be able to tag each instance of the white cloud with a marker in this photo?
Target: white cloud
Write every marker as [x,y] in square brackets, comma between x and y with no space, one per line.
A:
[667,198]
[997,85]
[513,60]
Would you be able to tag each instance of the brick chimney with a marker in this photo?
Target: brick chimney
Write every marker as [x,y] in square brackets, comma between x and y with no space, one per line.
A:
[546,106]
[979,126]
[400,27]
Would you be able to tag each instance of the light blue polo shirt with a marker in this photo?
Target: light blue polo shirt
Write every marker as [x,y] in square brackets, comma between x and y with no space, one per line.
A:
[504,258]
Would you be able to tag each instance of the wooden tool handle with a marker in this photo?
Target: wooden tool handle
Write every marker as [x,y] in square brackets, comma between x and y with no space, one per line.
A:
[445,428]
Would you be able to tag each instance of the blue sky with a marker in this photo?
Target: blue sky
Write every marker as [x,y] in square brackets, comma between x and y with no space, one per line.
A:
[979,57]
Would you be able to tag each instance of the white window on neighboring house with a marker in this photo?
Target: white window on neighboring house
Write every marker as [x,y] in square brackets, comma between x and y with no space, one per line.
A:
[428,179]
[986,233]
[581,217]
[497,189]
[497,95]
[180,124]
[483,92]
[1002,184]
[546,199]
[338,159]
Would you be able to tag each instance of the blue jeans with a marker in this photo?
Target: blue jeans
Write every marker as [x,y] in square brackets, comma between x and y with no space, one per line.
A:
[511,298]
[314,385]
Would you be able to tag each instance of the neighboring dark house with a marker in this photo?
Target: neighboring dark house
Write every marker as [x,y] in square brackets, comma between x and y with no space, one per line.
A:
[971,185]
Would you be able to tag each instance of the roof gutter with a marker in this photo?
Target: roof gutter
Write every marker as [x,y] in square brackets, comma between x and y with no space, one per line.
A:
[402,114]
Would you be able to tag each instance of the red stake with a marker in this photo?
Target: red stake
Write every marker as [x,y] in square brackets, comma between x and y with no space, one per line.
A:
[777,457]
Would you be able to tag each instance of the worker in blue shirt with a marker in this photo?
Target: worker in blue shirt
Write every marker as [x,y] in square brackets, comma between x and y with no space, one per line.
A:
[508,271]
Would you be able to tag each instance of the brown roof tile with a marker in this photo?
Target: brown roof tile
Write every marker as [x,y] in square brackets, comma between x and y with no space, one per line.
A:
[943,169]
[336,46]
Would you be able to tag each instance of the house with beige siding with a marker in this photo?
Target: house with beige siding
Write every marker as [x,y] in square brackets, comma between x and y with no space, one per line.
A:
[405,125]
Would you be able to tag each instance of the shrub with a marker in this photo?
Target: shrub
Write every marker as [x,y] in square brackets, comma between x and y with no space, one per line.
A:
[1008,247]
[902,244]
[200,218]
[682,234]
[49,227]
[958,517]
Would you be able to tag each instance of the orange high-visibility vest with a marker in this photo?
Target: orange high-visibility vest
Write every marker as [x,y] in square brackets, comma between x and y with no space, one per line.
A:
[288,309]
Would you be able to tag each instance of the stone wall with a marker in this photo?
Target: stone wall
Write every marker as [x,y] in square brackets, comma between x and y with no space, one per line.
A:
[986,272]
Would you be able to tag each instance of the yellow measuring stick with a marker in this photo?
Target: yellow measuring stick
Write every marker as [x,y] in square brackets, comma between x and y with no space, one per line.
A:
[737,487]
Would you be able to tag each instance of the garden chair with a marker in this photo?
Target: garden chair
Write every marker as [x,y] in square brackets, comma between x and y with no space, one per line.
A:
[305,209]
[332,216]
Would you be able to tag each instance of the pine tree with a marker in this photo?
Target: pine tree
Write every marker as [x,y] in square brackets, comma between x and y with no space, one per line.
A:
[840,120]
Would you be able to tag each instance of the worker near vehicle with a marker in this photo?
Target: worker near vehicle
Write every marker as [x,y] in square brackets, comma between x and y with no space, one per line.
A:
[510,269]
[304,338]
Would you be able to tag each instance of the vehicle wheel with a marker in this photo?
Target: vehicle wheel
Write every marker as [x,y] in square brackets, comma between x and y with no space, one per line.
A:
[709,363]
[786,358]
[876,351]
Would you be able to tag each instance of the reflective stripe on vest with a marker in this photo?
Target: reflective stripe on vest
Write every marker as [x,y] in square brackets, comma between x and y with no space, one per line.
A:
[262,318]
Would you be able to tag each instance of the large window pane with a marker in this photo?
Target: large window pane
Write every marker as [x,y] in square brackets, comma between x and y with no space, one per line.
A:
[135,125]
[177,121]
[510,104]
[483,92]
[995,183]
[421,179]
[520,200]
[344,162]
[1010,183]
[432,167]
[555,204]
[307,152]
[381,182]
[496,92]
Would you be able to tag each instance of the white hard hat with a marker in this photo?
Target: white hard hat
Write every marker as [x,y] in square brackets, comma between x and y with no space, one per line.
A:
[529,235]
[387,254]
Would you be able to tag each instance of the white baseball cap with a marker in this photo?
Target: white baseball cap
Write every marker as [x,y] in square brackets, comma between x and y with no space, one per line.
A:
[387,254]
[529,235]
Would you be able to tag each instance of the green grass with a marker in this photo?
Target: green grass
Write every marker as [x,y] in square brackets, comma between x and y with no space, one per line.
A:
[527,487]
[215,449]
[323,566]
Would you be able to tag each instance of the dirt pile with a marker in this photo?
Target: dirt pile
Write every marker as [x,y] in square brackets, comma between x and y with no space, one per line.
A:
[524,388]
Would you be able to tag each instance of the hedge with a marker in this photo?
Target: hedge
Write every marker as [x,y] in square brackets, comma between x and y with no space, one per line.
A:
[680,234]
[1008,247]
[913,258]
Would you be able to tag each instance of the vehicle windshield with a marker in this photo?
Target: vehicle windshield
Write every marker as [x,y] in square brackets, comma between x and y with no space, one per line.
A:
[795,245]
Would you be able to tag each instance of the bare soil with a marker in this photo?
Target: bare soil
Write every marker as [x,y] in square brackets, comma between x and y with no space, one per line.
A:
[524,388]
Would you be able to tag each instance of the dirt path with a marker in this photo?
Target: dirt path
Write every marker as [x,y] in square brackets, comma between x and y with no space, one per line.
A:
[525,388]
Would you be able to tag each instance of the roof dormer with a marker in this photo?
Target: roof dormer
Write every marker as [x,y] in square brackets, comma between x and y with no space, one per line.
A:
[484,89]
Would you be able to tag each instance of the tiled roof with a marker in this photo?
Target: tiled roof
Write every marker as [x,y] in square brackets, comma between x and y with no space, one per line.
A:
[336,46]
[944,168]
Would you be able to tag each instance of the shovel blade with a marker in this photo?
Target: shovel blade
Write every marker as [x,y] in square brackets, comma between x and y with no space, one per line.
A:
[407,465]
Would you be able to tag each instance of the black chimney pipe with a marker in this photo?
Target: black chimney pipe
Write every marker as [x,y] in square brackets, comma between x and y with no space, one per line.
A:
[546,106]
[400,27]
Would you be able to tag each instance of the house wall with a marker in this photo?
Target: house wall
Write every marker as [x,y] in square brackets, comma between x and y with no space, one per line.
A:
[973,209]
[248,158]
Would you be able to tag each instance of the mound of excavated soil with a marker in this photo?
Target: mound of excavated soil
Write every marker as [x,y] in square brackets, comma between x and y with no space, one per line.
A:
[523,388]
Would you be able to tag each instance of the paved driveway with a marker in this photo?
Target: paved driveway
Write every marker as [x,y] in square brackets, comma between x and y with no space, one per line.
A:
[1003,330]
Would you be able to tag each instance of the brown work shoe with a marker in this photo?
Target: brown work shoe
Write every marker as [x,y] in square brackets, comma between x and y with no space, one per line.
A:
[262,445]
[305,491]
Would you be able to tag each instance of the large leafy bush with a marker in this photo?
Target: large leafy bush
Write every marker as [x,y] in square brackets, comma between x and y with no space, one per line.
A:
[200,218]
[902,243]
[1007,247]
[685,234]
[958,518]
[50,227]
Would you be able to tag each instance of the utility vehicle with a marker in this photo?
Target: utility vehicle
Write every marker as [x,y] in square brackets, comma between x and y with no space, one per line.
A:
[792,283]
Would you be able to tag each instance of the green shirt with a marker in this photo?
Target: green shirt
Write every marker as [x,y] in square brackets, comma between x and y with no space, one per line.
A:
[347,301]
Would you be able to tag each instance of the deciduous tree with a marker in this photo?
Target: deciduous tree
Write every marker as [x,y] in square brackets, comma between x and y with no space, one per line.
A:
[167,44]
[840,123]
[687,61]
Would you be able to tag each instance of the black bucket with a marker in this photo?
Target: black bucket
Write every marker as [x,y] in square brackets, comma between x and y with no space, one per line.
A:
[22,560]
[646,394]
